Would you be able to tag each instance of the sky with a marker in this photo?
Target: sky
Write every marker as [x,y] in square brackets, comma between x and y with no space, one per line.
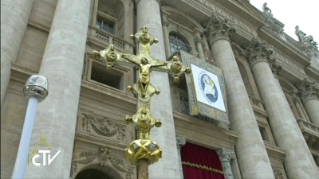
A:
[303,13]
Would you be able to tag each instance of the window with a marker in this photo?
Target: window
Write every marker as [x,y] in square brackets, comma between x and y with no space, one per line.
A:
[263,133]
[105,25]
[111,78]
[177,43]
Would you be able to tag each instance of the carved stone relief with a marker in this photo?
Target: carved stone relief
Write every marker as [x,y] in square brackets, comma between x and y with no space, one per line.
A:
[101,125]
[308,90]
[219,28]
[258,51]
[278,173]
[104,159]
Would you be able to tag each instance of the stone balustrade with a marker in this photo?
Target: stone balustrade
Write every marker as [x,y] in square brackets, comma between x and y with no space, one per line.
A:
[310,133]
[256,102]
[109,38]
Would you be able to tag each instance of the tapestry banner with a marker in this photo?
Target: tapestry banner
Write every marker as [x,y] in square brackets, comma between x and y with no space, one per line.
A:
[206,89]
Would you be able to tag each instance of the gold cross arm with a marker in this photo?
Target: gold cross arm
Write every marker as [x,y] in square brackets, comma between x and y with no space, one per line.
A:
[110,57]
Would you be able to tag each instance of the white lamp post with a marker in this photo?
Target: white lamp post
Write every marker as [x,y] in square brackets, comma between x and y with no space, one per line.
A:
[35,89]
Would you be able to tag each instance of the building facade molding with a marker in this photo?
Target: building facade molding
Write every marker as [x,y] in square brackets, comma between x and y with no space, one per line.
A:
[308,90]
[259,51]
[225,156]
[219,28]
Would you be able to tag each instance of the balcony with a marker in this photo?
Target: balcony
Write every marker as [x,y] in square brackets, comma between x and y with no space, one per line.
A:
[101,38]
[310,133]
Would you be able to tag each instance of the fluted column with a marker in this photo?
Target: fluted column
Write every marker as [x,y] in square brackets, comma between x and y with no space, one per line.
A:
[252,156]
[166,34]
[225,155]
[309,93]
[298,160]
[62,64]
[148,14]
[180,142]
[14,20]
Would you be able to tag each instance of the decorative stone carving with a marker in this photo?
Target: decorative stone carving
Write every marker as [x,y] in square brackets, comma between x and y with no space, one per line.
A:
[180,141]
[103,126]
[104,155]
[308,45]
[259,51]
[275,68]
[308,90]
[267,11]
[272,23]
[278,174]
[87,157]
[218,28]
[225,155]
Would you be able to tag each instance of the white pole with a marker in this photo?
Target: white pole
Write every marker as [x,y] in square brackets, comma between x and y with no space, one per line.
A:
[22,157]
[36,89]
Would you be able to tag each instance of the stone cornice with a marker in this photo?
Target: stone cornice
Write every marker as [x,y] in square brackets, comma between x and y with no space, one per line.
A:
[219,28]
[308,90]
[258,51]
[188,126]
[284,46]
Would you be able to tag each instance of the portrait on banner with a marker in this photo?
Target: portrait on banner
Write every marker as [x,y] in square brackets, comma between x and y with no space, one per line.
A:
[207,88]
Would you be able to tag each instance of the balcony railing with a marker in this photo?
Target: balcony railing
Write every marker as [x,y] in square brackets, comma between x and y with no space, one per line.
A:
[256,102]
[108,38]
[310,133]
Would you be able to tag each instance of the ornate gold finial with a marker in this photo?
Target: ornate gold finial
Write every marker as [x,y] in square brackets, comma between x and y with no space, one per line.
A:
[142,151]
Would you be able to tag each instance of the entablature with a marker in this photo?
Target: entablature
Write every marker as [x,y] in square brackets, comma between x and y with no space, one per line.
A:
[310,133]
[285,47]
[203,133]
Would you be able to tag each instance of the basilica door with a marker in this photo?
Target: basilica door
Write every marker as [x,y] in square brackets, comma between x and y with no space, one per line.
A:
[200,162]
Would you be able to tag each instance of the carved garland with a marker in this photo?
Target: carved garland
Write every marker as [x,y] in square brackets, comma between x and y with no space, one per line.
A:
[102,126]
[87,157]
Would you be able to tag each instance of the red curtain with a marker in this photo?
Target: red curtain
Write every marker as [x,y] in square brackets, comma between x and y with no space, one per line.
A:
[200,163]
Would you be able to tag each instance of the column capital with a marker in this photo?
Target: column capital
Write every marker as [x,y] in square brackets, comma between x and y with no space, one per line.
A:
[180,141]
[225,155]
[219,28]
[259,51]
[275,68]
[165,18]
[308,90]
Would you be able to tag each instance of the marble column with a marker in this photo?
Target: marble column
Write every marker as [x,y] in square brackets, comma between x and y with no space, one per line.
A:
[166,33]
[225,156]
[309,93]
[62,64]
[148,14]
[298,160]
[14,20]
[180,142]
[252,156]
[198,43]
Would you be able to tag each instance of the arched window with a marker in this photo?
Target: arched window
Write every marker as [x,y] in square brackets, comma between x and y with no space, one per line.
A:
[177,43]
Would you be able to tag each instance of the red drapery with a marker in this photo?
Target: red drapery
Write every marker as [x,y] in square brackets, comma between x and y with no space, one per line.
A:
[200,163]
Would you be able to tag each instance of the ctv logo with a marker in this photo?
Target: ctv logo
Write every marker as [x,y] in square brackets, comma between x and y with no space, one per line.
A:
[45,154]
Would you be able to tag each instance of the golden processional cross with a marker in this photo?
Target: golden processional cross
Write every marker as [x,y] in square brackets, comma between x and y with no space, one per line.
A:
[143,151]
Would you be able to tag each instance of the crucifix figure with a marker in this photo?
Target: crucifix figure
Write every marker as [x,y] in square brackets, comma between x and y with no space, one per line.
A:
[143,151]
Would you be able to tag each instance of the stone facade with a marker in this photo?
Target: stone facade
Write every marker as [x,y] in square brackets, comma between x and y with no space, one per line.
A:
[271,84]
